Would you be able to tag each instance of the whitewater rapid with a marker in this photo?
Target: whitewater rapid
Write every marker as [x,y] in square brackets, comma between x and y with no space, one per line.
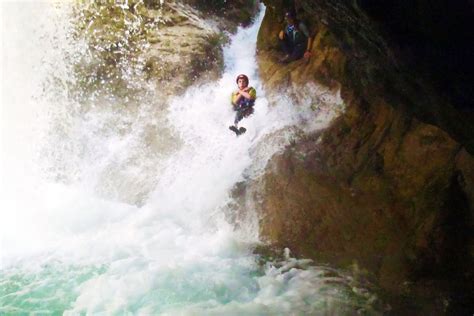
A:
[105,224]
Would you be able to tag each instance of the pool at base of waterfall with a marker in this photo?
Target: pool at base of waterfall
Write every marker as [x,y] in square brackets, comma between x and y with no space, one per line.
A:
[211,286]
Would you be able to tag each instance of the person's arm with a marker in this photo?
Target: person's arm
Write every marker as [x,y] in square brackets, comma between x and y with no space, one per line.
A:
[307,53]
[281,35]
[248,93]
[309,44]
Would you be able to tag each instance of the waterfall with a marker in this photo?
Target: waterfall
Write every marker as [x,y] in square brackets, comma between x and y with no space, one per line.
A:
[124,211]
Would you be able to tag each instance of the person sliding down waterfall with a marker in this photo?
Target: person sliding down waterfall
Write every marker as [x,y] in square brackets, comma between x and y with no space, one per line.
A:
[243,101]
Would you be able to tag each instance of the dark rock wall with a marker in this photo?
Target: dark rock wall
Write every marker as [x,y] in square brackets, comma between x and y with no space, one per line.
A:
[389,184]
[436,38]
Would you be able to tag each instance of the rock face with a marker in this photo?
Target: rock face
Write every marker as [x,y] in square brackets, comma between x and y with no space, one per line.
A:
[389,184]
[170,43]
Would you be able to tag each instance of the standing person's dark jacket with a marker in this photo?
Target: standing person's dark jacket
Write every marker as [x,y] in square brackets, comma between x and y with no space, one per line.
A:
[295,39]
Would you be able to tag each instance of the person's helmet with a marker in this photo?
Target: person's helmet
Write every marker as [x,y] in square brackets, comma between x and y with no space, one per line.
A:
[289,15]
[242,76]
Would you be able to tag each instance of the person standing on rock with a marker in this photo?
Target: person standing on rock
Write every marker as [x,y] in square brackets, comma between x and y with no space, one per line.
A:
[295,40]
[242,101]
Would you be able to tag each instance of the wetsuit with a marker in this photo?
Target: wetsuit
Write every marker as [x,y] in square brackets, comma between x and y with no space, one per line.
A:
[243,107]
[295,41]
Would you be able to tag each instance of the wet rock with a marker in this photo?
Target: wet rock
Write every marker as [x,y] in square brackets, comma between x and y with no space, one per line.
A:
[173,44]
[387,185]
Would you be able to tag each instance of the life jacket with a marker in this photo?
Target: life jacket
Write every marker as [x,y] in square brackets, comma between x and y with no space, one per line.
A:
[244,102]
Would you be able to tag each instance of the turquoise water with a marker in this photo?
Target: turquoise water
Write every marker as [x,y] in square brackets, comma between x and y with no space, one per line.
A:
[50,289]
[241,287]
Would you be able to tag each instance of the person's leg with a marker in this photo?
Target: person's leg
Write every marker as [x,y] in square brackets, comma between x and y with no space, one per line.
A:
[248,111]
[298,52]
[238,116]
[285,46]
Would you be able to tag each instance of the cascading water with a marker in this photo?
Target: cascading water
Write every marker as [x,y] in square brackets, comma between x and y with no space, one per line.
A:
[77,241]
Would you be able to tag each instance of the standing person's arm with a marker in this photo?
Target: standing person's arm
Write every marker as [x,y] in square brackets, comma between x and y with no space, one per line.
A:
[307,53]
[281,35]
[309,44]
